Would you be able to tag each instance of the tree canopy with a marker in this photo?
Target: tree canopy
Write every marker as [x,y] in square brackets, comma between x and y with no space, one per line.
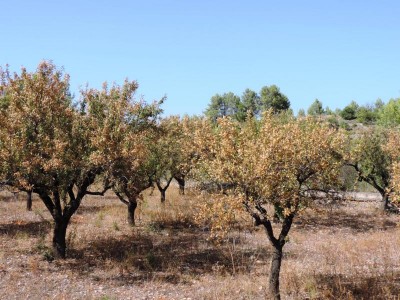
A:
[268,162]
[350,111]
[45,143]
[56,149]
[389,114]
[372,162]
[123,132]
[249,104]
[316,108]
[272,98]
[392,147]
[224,105]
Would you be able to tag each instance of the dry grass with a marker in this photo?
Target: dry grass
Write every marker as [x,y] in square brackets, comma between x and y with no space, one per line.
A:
[344,252]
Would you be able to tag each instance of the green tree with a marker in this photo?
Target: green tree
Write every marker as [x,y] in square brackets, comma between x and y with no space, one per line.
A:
[329,111]
[378,104]
[225,105]
[316,108]
[372,162]
[301,113]
[251,102]
[272,98]
[366,115]
[350,111]
[389,114]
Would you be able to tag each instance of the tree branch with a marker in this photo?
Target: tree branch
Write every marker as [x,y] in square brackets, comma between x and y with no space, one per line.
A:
[287,224]
[261,220]
[121,198]
[106,188]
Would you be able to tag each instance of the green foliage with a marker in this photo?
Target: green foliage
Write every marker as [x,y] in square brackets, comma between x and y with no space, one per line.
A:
[389,114]
[344,125]
[316,108]
[366,115]
[225,105]
[333,121]
[251,103]
[350,111]
[230,105]
[370,159]
[378,104]
[329,111]
[301,113]
[4,102]
[272,98]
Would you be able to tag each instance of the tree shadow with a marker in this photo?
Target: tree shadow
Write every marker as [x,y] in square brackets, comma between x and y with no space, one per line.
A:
[33,229]
[162,257]
[361,222]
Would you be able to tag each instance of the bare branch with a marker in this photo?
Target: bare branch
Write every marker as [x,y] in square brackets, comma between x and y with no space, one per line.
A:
[101,193]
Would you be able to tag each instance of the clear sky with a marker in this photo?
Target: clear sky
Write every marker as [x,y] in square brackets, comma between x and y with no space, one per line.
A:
[336,51]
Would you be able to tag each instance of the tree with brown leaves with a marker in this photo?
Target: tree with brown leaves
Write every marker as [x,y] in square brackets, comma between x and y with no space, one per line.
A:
[268,163]
[45,143]
[124,130]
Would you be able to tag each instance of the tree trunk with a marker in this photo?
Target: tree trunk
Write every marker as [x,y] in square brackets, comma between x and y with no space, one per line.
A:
[181,183]
[29,201]
[59,234]
[162,195]
[385,202]
[277,244]
[131,212]
[163,189]
[273,286]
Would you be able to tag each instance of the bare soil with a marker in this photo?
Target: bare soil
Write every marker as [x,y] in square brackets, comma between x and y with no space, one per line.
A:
[346,251]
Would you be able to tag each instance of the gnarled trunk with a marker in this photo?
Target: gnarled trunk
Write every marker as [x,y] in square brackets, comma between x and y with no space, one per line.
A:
[181,183]
[130,200]
[59,234]
[132,204]
[62,213]
[385,202]
[277,245]
[273,284]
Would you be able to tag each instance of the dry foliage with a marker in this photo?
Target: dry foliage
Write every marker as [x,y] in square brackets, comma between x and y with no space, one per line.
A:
[393,148]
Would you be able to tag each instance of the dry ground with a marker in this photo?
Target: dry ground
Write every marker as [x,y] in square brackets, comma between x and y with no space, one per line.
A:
[349,251]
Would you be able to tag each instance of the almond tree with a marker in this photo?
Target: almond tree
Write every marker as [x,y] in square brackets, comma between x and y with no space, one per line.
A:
[371,161]
[45,144]
[393,148]
[175,153]
[268,164]
[166,153]
[124,132]
[188,152]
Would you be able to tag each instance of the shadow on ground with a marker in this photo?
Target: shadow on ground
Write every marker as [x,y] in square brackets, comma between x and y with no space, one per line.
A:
[33,229]
[341,219]
[163,256]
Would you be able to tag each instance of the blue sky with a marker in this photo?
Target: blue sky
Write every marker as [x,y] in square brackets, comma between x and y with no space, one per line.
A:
[336,51]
